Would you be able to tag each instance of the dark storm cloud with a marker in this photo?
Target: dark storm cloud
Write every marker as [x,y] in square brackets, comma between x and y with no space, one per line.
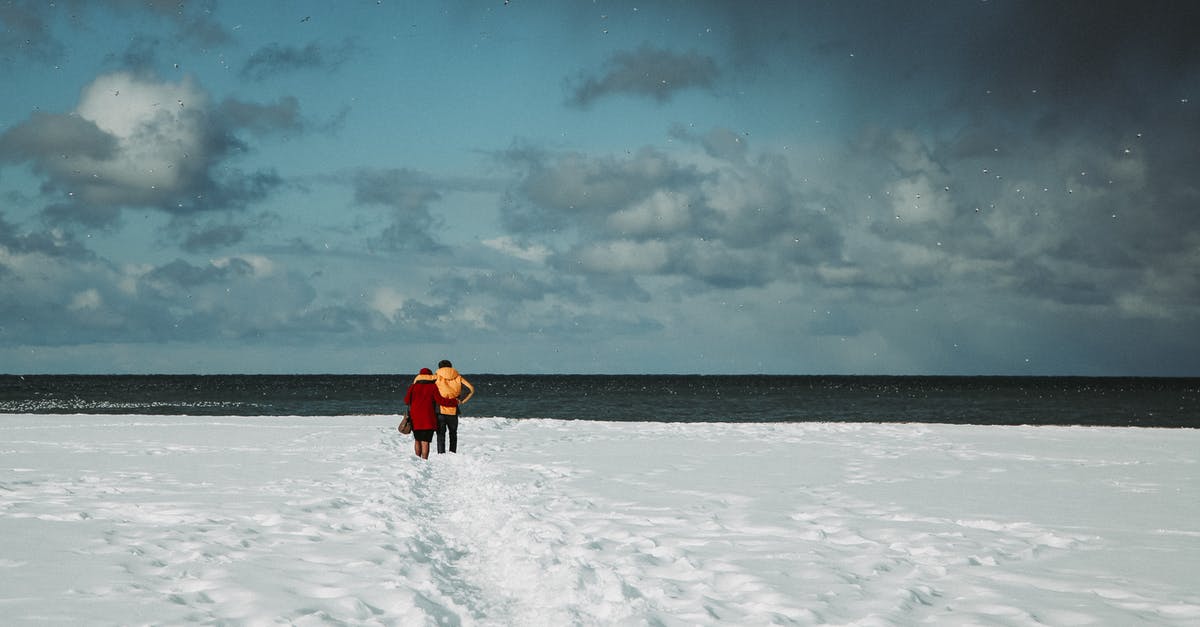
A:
[1076,220]
[1035,150]
[1091,54]
[274,59]
[647,71]
[1078,63]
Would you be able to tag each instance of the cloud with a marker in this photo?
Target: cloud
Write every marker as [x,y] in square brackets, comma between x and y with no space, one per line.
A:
[54,290]
[282,116]
[576,191]
[26,33]
[1072,224]
[1094,55]
[213,237]
[87,299]
[535,253]
[721,224]
[408,195]
[274,59]
[719,143]
[662,213]
[141,55]
[29,26]
[624,256]
[958,188]
[55,243]
[387,302]
[137,142]
[46,138]
[240,296]
[1062,223]
[647,71]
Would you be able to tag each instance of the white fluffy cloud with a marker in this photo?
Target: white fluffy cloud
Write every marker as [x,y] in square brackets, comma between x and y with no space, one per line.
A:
[625,256]
[917,199]
[160,139]
[535,253]
[387,302]
[87,299]
[137,142]
[662,213]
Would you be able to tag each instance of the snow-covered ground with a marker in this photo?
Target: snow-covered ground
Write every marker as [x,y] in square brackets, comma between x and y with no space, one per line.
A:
[164,520]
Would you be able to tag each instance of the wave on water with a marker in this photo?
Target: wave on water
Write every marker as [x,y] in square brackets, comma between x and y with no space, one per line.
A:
[88,406]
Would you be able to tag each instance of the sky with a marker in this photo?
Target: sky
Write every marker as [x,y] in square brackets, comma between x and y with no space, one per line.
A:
[957,187]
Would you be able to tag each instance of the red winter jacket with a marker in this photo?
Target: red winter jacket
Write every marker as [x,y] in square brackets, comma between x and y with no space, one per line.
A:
[423,399]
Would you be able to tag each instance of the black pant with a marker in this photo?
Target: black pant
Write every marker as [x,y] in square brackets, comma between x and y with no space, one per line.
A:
[447,423]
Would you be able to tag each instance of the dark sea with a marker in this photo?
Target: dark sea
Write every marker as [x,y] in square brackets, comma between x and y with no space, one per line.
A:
[1134,402]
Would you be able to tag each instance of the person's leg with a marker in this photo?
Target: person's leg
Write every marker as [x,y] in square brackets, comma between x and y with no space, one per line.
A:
[423,450]
[441,433]
[452,427]
[416,445]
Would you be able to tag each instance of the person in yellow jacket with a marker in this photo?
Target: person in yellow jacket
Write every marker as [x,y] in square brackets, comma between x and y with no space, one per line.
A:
[450,384]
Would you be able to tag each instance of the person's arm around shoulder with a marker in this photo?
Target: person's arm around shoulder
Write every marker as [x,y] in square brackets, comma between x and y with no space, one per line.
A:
[443,401]
[470,390]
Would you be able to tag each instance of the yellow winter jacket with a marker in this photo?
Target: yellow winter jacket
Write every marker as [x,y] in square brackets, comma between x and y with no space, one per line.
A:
[450,385]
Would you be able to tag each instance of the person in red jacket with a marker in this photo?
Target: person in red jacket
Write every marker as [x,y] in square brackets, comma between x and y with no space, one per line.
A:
[423,400]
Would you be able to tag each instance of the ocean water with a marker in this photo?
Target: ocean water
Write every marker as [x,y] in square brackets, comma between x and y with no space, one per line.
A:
[1142,402]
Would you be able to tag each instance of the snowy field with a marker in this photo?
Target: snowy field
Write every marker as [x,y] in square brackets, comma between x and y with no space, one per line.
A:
[128,520]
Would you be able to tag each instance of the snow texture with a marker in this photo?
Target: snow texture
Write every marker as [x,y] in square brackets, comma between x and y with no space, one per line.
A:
[126,520]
